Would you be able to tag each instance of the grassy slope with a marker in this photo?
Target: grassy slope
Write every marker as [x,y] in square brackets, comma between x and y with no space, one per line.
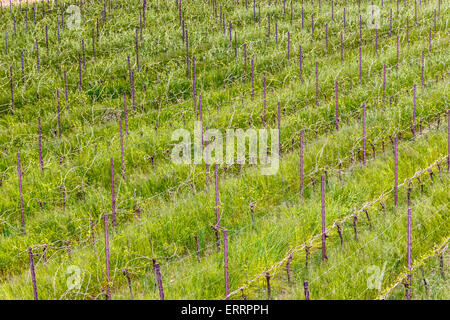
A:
[90,137]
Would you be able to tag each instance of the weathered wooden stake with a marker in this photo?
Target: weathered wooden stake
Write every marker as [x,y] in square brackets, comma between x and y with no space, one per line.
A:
[44,253]
[306,286]
[253,81]
[300,61]
[225,253]
[360,64]
[23,69]
[198,248]
[194,83]
[368,219]
[301,164]
[79,72]
[423,68]
[355,220]
[317,83]
[127,275]
[133,97]
[288,263]
[322,188]
[398,51]
[65,88]
[19,169]
[33,275]
[37,54]
[396,170]
[408,284]
[268,286]
[137,51]
[108,271]
[59,114]
[125,112]
[41,163]
[384,84]
[336,118]
[265,102]
[339,230]
[279,129]
[425,283]
[113,197]
[364,134]
[414,114]
[448,150]
[158,277]
[121,149]
[441,265]
[187,53]
[217,207]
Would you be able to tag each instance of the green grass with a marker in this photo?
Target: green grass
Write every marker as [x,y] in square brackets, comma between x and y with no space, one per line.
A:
[175,201]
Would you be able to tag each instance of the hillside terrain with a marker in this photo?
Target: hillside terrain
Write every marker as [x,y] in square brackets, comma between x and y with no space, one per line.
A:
[93,205]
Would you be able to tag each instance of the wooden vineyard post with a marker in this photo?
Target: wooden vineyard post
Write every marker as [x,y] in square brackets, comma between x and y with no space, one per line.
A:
[317,83]
[41,163]
[207,156]
[113,197]
[12,88]
[121,149]
[269,295]
[300,62]
[301,165]
[19,170]
[414,113]
[364,134]
[217,207]
[265,102]
[288,270]
[65,89]
[225,253]
[448,150]
[194,84]
[408,284]
[423,68]
[127,275]
[306,286]
[159,279]
[79,72]
[125,112]
[360,63]
[396,171]
[279,129]
[245,62]
[322,187]
[337,107]
[441,265]
[384,84]
[339,230]
[44,253]
[59,114]
[33,274]
[198,248]
[23,68]
[108,271]
[253,80]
